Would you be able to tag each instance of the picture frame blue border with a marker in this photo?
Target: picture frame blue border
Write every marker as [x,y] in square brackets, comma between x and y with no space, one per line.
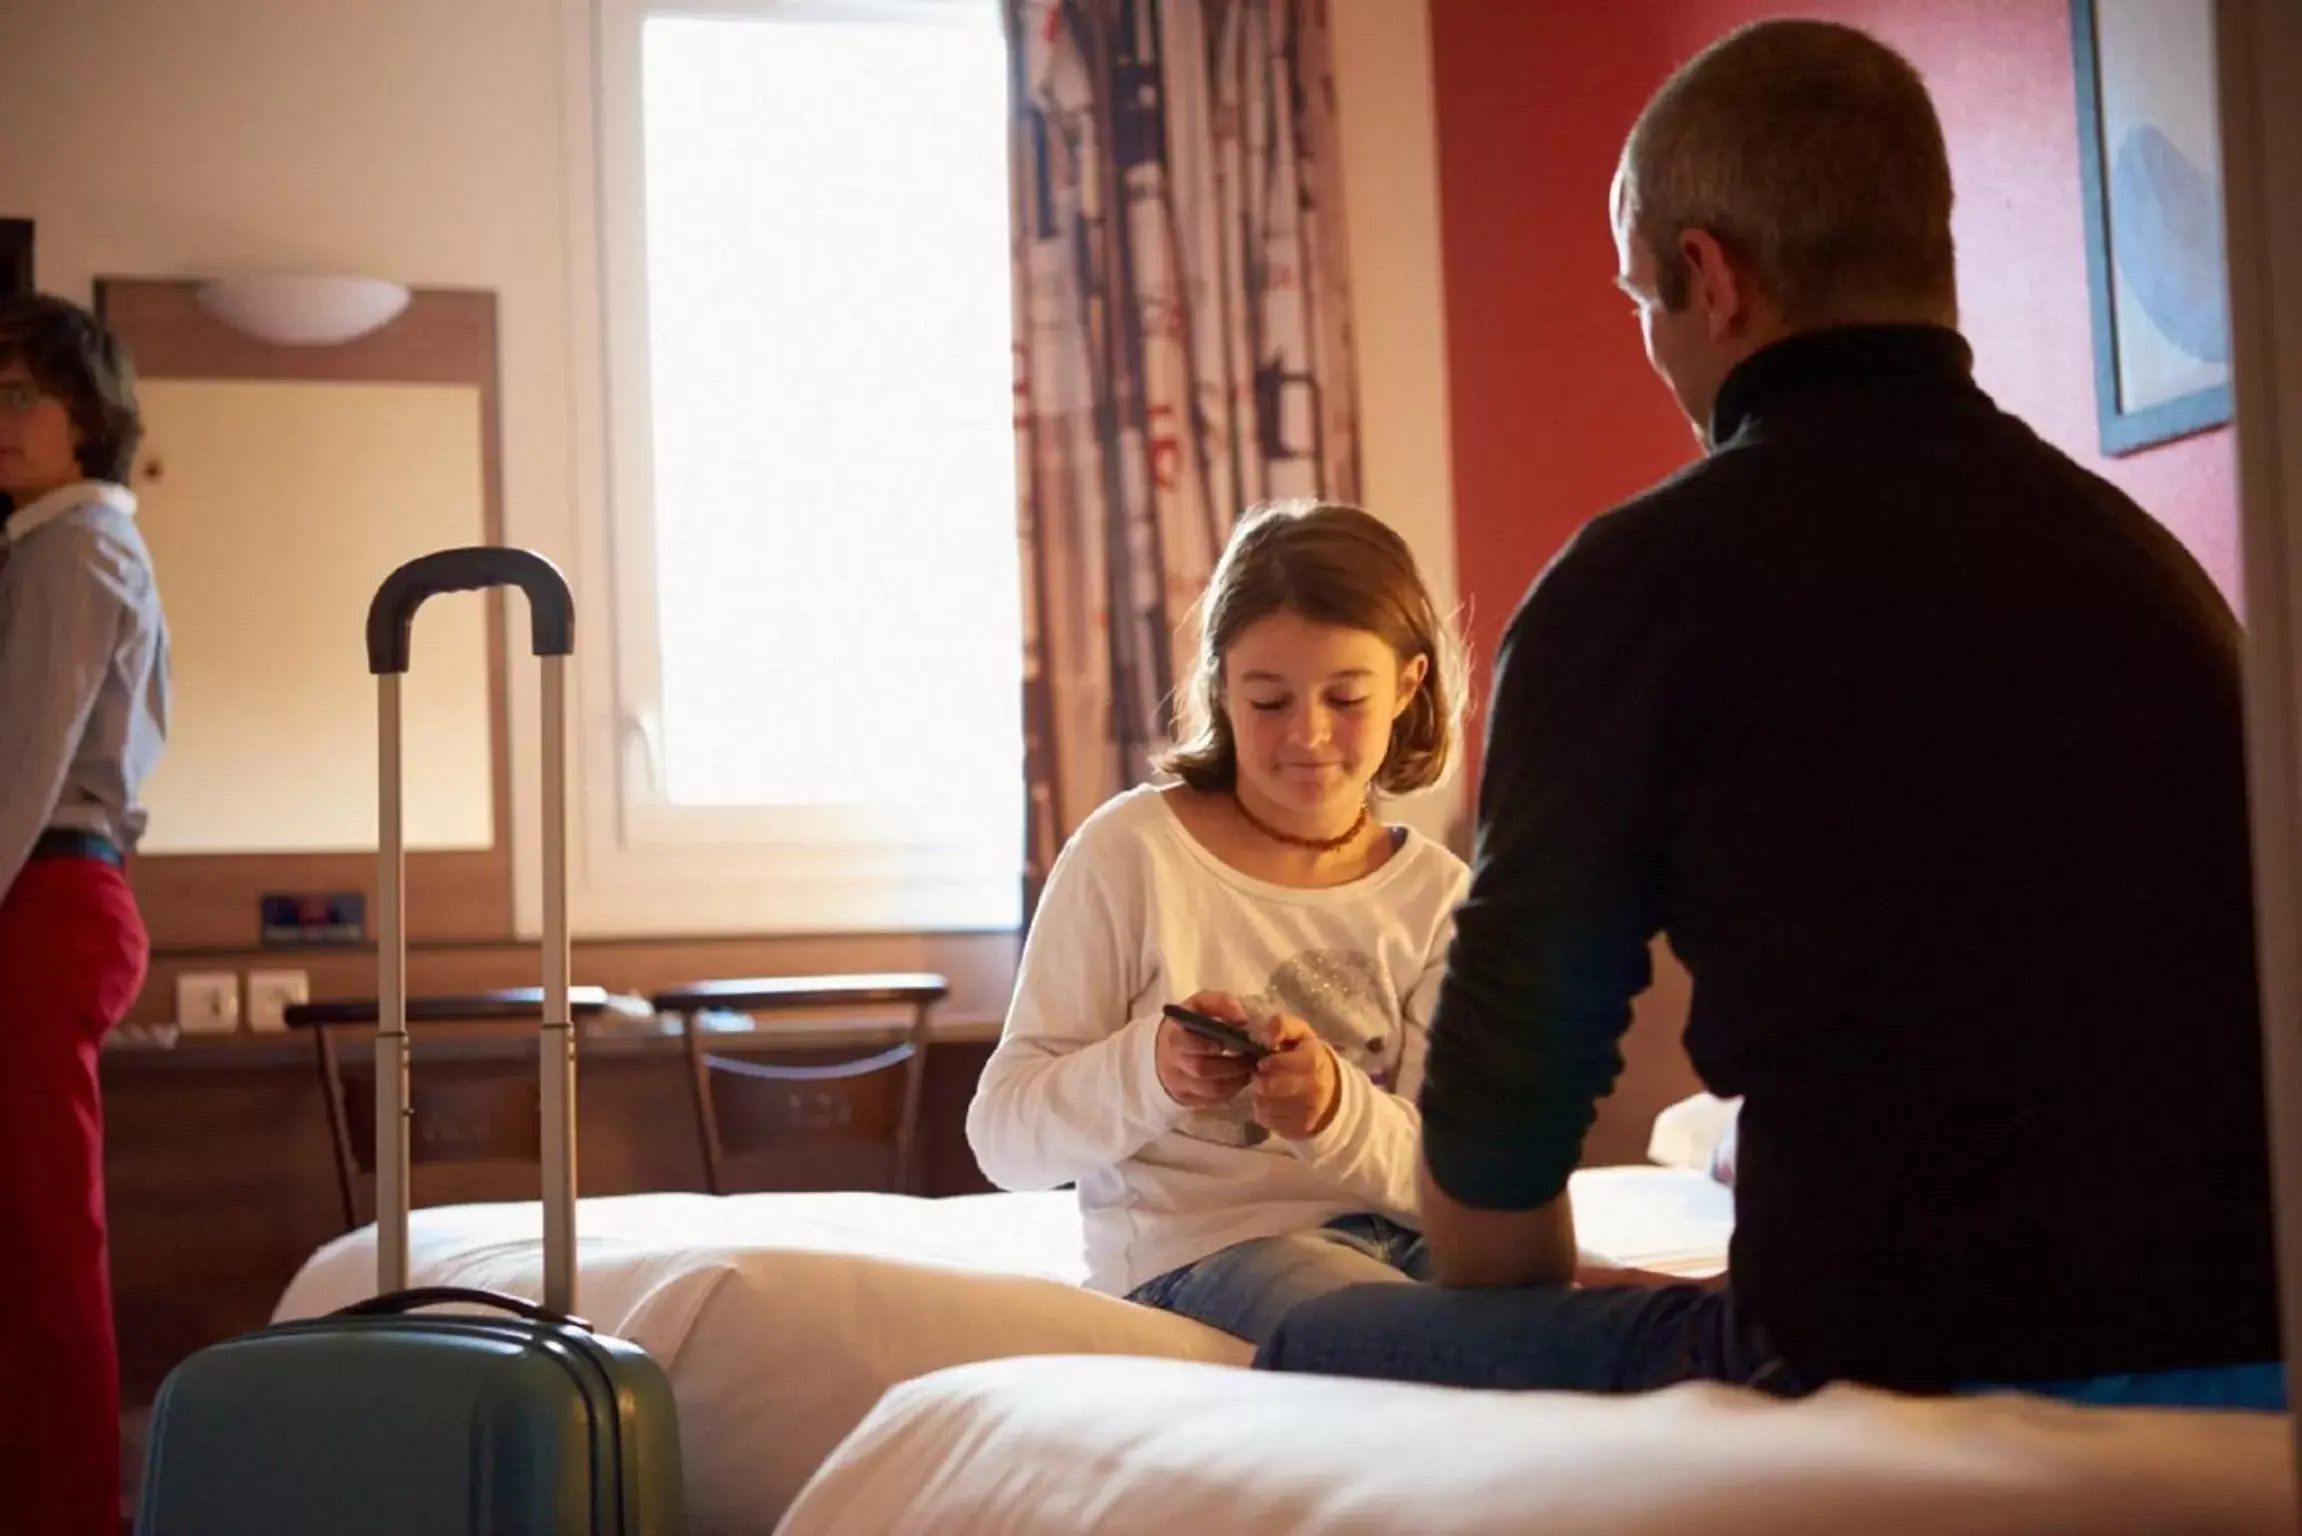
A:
[2122,431]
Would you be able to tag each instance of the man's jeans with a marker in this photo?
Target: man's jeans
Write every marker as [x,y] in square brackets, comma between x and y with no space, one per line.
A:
[1634,1339]
[1247,1288]
[1601,1339]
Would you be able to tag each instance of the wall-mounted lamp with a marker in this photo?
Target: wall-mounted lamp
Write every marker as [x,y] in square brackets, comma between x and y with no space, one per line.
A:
[304,311]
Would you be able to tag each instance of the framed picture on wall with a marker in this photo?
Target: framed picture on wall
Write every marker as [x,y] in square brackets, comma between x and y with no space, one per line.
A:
[2150,164]
[15,257]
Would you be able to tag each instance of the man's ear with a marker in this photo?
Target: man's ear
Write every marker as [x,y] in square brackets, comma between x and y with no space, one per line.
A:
[1721,287]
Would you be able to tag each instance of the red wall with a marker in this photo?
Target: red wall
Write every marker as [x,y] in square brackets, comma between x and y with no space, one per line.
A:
[1555,415]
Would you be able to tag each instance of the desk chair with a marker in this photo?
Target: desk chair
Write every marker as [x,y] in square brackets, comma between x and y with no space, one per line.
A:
[744,1105]
[470,1111]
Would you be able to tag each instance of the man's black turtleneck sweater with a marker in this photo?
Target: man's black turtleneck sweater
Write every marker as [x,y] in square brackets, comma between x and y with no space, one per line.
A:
[1922,745]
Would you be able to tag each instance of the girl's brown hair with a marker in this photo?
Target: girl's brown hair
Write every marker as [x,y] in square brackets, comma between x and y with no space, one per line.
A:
[1330,564]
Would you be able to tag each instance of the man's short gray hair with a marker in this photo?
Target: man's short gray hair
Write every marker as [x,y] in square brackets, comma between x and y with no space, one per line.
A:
[1811,151]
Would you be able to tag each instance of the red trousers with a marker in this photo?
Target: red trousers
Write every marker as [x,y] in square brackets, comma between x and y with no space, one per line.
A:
[72,958]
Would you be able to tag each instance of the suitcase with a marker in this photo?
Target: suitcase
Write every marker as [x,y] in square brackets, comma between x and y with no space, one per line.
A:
[518,1421]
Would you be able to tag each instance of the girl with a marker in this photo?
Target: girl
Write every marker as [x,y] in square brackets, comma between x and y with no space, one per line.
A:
[83,707]
[1260,888]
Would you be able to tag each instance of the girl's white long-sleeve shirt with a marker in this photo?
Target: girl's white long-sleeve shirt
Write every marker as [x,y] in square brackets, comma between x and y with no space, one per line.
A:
[1137,913]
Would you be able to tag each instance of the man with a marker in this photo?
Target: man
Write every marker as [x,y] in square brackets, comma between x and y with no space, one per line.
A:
[1923,747]
[83,708]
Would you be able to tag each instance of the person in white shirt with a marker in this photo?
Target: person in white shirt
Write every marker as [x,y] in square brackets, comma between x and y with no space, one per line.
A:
[83,711]
[1259,887]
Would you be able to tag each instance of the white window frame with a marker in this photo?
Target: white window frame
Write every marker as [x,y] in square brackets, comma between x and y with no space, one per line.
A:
[640,864]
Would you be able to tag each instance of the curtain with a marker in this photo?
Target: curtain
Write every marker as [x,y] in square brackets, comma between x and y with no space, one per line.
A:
[1183,349]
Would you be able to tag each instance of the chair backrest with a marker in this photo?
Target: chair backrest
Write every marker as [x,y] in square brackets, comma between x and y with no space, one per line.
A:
[458,1112]
[462,1109]
[783,1125]
[848,1124]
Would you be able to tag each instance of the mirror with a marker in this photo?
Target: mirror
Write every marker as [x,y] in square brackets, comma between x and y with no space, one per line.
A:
[273,510]
[278,485]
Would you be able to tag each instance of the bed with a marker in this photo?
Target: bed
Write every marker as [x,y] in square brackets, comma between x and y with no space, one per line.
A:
[1049,1447]
[783,1318]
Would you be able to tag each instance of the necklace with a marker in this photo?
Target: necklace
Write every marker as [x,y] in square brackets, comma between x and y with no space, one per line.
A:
[1317,844]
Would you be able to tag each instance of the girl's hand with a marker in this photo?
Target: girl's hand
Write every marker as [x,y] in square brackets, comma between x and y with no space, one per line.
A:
[1197,1073]
[1299,1084]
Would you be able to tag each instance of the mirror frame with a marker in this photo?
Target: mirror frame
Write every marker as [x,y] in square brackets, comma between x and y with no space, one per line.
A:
[210,901]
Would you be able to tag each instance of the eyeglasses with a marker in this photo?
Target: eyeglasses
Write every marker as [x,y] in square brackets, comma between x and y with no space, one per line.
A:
[19,396]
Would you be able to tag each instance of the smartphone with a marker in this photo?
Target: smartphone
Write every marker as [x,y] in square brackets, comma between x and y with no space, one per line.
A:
[1222,1031]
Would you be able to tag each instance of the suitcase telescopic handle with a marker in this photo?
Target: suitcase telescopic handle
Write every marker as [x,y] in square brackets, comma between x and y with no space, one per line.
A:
[400,1302]
[551,608]
[551,618]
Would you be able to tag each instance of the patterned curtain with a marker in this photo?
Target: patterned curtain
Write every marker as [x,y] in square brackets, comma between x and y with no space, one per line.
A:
[1183,348]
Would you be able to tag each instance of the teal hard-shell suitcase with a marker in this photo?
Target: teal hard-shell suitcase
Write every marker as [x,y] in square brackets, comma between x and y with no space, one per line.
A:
[383,1420]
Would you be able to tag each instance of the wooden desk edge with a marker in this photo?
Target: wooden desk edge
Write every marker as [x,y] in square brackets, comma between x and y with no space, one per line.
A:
[248,1049]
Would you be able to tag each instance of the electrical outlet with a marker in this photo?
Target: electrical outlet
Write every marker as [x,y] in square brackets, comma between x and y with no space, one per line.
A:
[270,993]
[208,1002]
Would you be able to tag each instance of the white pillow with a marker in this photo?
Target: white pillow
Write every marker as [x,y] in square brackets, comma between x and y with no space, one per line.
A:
[1050,1447]
[1697,1134]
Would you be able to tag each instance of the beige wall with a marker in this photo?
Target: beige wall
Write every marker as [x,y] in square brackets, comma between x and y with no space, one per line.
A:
[420,140]
[1391,211]
[430,141]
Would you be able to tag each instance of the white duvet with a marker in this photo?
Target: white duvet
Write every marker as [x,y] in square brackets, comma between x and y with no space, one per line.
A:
[1051,1447]
[782,1318]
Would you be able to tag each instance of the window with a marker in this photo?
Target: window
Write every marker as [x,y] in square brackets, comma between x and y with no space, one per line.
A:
[804,231]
